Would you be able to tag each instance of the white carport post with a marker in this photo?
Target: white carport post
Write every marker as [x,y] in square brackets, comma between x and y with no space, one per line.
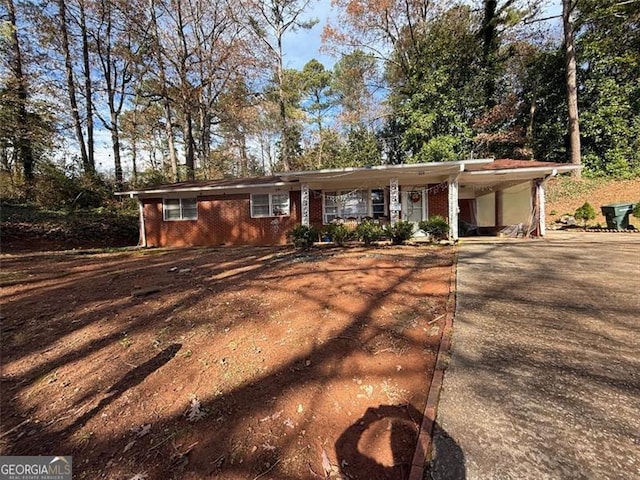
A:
[304,201]
[454,208]
[541,200]
[394,201]
[143,233]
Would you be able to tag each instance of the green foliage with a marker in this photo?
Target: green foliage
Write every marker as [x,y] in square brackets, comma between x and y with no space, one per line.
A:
[339,233]
[400,232]
[59,187]
[607,50]
[585,213]
[436,226]
[369,232]
[636,210]
[361,149]
[435,88]
[303,236]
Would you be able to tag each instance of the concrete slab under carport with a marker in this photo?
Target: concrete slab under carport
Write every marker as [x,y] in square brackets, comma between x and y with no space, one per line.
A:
[544,375]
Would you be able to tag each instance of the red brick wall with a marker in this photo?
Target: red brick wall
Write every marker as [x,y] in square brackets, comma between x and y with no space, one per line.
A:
[221,220]
[439,202]
[315,209]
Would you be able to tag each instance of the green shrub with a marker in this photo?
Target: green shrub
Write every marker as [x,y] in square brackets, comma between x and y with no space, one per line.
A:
[436,227]
[585,213]
[339,233]
[400,232]
[303,236]
[368,232]
[636,210]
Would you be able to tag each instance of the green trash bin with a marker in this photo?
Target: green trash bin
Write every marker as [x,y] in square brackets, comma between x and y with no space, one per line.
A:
[617,215]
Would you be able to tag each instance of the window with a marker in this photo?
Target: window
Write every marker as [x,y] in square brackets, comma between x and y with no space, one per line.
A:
[378,206]
[180,209]
[356,203]
[269,204]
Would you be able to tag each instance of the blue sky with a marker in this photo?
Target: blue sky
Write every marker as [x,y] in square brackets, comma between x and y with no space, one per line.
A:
[304,45]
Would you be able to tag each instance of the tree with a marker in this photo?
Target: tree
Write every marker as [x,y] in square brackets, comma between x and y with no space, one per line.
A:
[435,102]
[271,20]
[69,61]
[316,84]
[568,7]
[116,51]
[17,95]
[607,46]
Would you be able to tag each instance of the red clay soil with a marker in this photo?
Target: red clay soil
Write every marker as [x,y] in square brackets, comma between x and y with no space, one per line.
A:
[225,363]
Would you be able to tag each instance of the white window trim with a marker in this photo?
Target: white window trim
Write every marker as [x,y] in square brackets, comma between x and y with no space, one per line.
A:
[181,219]
[339,213]
[271,195]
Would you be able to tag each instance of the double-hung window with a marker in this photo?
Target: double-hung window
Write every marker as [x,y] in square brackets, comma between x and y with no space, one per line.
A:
[179,209]
[269,205]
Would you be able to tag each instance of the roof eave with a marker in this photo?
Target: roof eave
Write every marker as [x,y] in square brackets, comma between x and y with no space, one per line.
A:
[161,191]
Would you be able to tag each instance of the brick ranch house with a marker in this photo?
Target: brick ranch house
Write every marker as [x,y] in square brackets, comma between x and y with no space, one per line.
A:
[478,196]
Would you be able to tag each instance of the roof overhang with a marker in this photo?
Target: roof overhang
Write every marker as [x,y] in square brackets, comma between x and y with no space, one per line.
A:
[511,175]
[484,171]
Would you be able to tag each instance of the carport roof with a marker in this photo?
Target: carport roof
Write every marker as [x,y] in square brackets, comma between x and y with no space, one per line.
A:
[471,171]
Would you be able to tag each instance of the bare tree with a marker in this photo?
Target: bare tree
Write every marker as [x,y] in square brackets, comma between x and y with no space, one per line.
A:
[71,85]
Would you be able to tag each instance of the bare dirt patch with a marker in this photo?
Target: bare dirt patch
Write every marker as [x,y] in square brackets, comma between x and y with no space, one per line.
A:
[234,363]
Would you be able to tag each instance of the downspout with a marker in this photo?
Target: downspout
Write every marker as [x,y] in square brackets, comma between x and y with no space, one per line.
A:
[541,202]
[143,234]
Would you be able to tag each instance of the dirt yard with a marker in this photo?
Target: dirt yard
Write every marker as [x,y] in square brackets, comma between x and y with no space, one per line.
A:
[230,363]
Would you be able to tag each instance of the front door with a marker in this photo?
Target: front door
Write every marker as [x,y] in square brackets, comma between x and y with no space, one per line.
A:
[414,207]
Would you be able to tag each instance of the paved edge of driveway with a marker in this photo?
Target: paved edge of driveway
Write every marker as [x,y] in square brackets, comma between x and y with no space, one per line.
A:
[425,433]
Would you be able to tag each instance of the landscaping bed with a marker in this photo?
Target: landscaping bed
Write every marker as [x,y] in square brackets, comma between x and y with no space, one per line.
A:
[234,363]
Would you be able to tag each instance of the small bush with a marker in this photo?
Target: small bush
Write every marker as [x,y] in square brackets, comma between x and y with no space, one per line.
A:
[585,213]
[368,232]
[400,232]
[436,227]
[303,236]
[339,233]
[636,210]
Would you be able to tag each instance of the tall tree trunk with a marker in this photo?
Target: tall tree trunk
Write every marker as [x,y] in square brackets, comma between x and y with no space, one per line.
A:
[489,47]
[572,84]
[286,148]
[166,103]
[24,147]
[189,144]
[88,89]
[71,88]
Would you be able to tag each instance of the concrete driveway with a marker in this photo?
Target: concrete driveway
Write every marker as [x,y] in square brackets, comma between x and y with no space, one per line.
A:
[544,377]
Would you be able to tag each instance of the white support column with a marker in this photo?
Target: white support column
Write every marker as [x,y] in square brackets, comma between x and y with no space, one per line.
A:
[304,201]
[394,201]
[143,233]
[453,208]
[542,214]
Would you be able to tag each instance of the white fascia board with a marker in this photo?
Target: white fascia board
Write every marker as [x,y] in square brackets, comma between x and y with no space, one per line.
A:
[526,170]
[406,167]
[162,191]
